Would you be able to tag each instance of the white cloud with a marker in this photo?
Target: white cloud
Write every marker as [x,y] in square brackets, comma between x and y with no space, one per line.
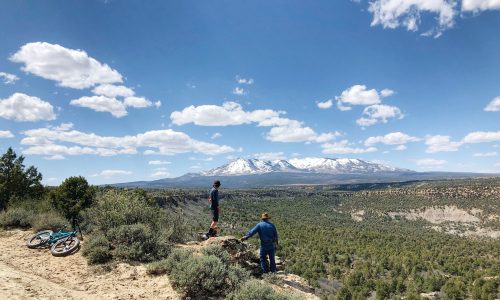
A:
[160,174]
[440,143]
[55,157]
[486,154]
[239,91]
[244,80]
[482,137]
[359,95]
[379,113]
[160,169]
[8,78]
[157,104]
[494,105]
[393,138]
[232,113]
[113,173]
[430,162]
[5,134]
[326,104]
[137,102]
[400,148]
[102,104]
[158,162]
[270,156]
[480,5]
[23,108]
[46,141]
[407,13]
[216,135]
[343,147]
[68,67]
[497,165]
[113,91]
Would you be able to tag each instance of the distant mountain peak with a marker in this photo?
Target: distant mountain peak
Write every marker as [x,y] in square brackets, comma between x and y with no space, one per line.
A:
[253,166]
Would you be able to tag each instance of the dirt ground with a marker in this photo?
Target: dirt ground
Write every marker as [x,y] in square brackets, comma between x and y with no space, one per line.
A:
[36,274]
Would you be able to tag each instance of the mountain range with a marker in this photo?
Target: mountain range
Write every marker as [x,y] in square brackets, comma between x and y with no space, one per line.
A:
[252,173]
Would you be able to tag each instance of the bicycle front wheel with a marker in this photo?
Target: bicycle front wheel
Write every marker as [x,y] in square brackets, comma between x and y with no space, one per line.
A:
[65,246]
[38,239]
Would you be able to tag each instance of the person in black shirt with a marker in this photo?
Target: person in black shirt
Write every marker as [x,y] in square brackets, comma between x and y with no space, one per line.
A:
[214,208]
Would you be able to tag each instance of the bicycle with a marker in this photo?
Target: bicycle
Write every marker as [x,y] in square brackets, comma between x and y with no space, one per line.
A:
[61,243]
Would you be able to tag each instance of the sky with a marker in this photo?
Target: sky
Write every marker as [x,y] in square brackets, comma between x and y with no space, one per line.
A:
[140,90]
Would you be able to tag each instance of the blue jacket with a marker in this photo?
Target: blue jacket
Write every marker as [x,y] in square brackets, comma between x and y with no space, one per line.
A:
[267,234]
[214,199]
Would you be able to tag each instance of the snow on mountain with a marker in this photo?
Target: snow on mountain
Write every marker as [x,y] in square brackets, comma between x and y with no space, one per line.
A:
[243,166]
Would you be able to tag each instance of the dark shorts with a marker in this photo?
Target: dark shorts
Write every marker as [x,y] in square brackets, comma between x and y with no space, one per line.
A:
[215,215]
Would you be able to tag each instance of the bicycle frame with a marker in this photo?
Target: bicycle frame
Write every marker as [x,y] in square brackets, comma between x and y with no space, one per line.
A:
[56,236]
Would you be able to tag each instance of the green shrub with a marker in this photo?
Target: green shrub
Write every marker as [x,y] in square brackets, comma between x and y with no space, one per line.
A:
[255,289]
[219,252]
[236,277]
[17,217]
[134,226]
[49,221]
[97,249]
[138,242]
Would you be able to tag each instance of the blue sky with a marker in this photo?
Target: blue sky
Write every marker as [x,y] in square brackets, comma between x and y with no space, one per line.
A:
[132,90]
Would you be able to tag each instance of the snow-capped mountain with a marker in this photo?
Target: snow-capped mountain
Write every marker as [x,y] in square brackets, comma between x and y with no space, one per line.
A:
[243,166]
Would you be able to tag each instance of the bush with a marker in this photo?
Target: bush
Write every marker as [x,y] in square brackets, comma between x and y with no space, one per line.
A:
[49,221]
[134,226]
[17,217]
[97,249]
[219,252]
[254,289]
[200,277]
[138,242]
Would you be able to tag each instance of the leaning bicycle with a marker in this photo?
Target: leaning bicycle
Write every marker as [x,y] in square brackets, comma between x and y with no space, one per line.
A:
[61,243]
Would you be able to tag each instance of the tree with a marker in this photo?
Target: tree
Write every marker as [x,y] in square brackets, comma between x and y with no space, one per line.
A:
[15,181]
[72,196]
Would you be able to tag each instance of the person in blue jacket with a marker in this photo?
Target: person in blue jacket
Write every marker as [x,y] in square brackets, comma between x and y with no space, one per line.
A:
[214,208]
[268,240]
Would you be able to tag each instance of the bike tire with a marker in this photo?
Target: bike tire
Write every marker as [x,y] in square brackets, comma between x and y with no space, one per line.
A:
[65,246]
[39,239]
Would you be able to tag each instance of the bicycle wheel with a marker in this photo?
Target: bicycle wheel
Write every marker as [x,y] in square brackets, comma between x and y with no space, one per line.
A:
[39,239]
[65,246]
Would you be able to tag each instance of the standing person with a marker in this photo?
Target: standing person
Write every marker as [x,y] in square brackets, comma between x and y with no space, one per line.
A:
[214,208]
[268,238]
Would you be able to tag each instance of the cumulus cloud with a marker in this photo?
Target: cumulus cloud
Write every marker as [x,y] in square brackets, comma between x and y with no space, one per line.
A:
[480,5]
[343,147]
[160,174]
[430,162]
[113,91]
[8,78]
[270,156]
[157,104]
[379,113]
[326,104]
[239,91]
[137,102]
[494,105]
[55,157]
[5,134]
[440,143]
[158,162]
[47,141]
[68,67]
[486,154]
[232,113]
[216,135]
[407,13]
[360,95]
[393,138]
[23,108]
[241,80]
[482,137]
[102,104]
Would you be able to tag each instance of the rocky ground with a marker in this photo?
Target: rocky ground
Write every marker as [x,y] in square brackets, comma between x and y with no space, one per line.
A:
[36,274]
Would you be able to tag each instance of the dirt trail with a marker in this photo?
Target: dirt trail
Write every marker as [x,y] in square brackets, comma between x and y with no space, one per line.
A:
[36,274]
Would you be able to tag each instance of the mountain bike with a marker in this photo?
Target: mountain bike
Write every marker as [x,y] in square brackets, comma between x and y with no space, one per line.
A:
[61,243]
